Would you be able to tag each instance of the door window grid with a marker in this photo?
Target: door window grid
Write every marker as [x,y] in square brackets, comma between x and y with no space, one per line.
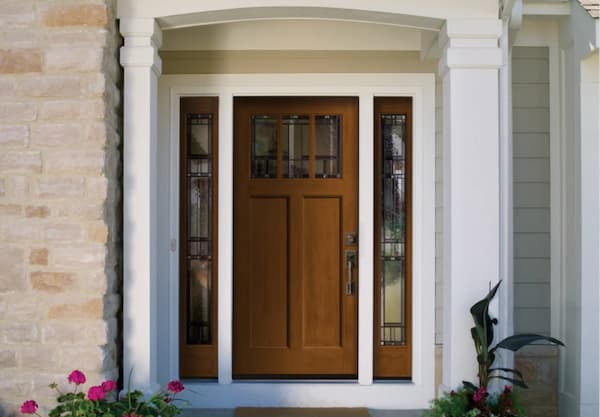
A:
[299,133]
[199,228]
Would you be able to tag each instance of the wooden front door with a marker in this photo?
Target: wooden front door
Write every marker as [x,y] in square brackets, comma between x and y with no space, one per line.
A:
[295,242]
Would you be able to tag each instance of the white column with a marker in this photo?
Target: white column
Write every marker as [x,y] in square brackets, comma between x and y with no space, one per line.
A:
[469,72]
[590,235]
[142,66]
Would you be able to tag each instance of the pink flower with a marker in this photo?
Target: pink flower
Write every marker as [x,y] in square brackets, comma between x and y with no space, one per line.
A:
[29,407]
[175,387]
[109,385]
[76,377]
[479,394]
[96,393]
[507,388]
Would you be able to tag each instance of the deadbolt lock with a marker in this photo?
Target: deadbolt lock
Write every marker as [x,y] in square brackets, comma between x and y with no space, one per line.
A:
[351,238]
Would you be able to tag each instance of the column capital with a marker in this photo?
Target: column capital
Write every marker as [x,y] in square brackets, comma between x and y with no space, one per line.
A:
[470,44]
[143,38]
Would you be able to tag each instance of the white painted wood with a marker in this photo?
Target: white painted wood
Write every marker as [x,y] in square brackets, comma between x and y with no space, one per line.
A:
[469,70]
[366,213]
[410,13]
[590,234]
[229,393]
[142,66]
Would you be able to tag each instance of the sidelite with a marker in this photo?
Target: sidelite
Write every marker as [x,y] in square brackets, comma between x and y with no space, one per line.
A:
[392,337]
[198,341]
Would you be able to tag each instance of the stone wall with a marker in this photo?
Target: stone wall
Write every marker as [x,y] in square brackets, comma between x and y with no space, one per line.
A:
[59,195]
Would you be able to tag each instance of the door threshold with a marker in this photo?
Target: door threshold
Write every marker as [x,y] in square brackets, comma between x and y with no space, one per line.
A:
[296,381]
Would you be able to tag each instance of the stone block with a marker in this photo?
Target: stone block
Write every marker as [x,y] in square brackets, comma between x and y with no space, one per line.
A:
[14,136]
[38,256]
[63,232]
[21,333]
[21,161]
[10,210]
[83,161]
[16,14]
[20,231]
[56,134]
[79,59]
[20,186]
[72,110]
[52,282]
[19,39]
[87,210]
[52,86]
[39,357]
[8,87]
[74,15]
[60,187]
[79,256]
[17,112]
[75,36]
[2,187]
[91,309]
[8,358]
[37,211]
[95,333]
[23,308]
[12,272]
[18,61]
[97,232]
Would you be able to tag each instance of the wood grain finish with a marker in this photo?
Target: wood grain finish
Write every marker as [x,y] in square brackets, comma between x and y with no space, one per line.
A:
[392,361]
[197,360]
[291,315]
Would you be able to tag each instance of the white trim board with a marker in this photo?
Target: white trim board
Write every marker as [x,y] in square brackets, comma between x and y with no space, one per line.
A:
[225,392]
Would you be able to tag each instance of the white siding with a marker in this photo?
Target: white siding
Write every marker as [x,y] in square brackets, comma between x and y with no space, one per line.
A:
[531,165]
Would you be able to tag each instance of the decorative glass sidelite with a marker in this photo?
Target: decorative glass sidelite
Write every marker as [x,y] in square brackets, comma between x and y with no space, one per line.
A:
[296,146]
[393,230]
[199,224]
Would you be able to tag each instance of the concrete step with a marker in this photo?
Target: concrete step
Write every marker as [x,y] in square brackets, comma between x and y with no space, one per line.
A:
[230,412]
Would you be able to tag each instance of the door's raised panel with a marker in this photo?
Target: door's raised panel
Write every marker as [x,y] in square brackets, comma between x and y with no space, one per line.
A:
[268,254]
[321,301]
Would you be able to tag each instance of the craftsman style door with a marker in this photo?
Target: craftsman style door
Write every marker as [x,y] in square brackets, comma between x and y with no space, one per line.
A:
[295,237]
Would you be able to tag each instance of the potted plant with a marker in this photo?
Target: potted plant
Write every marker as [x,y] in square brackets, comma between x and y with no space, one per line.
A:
[473,400]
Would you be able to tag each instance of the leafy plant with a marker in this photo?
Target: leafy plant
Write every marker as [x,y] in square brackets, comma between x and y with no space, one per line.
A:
[466,402]
[103,401]
[483,335]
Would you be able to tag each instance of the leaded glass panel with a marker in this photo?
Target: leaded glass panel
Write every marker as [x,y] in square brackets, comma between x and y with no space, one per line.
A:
[199,227]
[393,230]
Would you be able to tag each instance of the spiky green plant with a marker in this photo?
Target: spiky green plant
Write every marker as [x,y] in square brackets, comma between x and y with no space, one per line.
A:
[483,336]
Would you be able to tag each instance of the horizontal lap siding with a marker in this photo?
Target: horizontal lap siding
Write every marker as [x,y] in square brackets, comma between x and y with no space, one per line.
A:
[531,170]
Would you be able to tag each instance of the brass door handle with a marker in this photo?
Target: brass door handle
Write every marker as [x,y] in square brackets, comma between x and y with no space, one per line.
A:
[350,261]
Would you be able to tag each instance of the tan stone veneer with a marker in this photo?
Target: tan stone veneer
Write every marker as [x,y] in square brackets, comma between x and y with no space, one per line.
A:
[59,195]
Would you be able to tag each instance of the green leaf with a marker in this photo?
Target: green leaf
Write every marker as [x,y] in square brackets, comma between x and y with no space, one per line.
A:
[518,382]
[469,386]
[481,316]
[517,341]
[513,371]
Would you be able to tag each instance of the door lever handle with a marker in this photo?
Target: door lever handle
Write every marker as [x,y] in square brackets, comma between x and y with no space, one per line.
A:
[350,260]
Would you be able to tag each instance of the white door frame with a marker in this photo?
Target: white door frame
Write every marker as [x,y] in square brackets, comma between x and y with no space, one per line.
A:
[226,393]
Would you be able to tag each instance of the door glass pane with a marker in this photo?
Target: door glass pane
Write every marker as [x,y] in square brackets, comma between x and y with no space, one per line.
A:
[393,230]
[295,137]
[199,227]
[264,147]
[327,147]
